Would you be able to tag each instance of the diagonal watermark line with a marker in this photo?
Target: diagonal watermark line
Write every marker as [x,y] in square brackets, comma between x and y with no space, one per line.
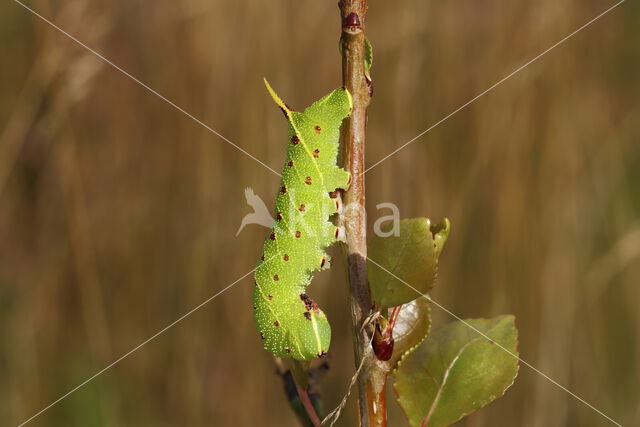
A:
[153,91]
[524,362]
[490,88]
[136,348]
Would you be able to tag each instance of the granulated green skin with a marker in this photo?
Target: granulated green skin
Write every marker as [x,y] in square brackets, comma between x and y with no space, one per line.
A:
[289,322]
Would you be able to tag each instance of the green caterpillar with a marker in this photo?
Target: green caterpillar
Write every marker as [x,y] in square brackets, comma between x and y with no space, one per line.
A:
[289,322]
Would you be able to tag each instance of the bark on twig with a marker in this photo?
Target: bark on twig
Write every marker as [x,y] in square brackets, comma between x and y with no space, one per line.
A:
[371,382]
[308,406]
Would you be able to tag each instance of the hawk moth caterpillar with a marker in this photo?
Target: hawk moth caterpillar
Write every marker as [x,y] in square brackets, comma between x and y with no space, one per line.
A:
[290,323]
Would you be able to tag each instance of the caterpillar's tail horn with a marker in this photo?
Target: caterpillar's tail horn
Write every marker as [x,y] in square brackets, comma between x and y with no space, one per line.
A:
[284,107]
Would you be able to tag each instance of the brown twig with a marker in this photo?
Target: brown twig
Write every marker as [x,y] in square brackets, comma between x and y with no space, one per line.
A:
[300,392]
[308,406]
[371,383]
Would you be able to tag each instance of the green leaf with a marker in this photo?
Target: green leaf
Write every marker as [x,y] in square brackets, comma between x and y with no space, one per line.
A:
[368,57]
[457,371]
[411,328]
[411,256]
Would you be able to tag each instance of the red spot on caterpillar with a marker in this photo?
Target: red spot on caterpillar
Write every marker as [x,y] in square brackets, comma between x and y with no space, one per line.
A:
[337,233]
[290,164]
[262,257]
[337,205]
[272,236]
[316,153]
[302,207]
[298,234]
[333,194]
[322,262]
[288,350]
[275,277]
[317,129]
[351,20]
[285,257]
[307,315]
[276,323]
[322,354]
[295,140]
[279,216]
[283,189]
[270,297]
[307,180]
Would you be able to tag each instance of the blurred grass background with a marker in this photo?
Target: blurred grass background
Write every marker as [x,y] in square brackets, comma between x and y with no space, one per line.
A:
[118,214]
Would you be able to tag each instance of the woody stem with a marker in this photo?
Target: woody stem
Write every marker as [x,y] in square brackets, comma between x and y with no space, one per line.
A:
[371,400]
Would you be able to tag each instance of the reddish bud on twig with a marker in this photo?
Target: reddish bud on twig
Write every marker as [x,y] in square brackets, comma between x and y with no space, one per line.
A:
[383,340]
[352,20]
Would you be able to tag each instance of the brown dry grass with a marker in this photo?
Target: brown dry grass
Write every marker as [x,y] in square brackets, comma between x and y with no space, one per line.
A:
[118,213]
